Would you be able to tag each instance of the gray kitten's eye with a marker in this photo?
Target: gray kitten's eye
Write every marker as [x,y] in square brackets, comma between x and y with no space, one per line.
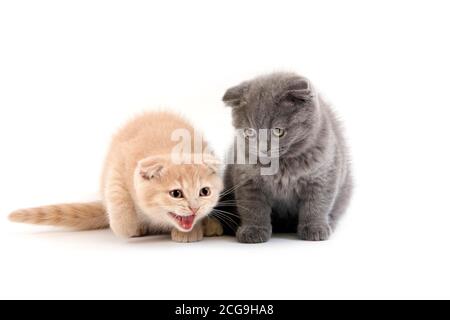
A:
[177,194]
[278,132]
[249,132]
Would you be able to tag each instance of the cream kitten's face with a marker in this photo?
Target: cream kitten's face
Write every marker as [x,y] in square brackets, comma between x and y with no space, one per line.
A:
[176,195]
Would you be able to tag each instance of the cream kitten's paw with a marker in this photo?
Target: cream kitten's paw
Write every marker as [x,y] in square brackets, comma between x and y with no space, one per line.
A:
[195,235]
[212,227]
[126,230]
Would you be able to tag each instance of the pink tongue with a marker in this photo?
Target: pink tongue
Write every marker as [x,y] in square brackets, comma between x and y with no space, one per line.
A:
[187,222]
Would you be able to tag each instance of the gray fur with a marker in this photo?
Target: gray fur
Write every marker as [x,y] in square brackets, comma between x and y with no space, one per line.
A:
[313,186]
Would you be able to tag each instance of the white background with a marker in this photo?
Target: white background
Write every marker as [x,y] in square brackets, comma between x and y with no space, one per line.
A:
[71,72]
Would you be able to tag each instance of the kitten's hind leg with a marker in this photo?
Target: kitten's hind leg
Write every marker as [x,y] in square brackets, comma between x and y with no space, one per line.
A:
[342,202]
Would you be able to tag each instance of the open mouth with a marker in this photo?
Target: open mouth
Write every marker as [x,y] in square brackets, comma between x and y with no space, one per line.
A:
[185,222]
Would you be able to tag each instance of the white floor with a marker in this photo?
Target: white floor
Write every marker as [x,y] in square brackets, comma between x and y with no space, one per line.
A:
[366,258]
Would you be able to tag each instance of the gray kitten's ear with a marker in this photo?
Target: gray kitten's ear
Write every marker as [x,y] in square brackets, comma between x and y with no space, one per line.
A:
[299,89]
[234,95]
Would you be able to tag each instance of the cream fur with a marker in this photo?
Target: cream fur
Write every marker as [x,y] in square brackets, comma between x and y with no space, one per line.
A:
[137,178]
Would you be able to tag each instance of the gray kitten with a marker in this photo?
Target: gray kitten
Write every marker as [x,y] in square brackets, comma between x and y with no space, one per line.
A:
[313,185]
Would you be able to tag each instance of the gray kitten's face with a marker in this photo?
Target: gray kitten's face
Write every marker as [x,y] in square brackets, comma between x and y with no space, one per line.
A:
[282,103]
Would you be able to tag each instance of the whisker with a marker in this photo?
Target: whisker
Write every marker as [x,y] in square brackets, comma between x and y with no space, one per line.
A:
[228,223]
[233,205]
[227,213]
[238,202]
[235,201]
[221,219]
[234,188]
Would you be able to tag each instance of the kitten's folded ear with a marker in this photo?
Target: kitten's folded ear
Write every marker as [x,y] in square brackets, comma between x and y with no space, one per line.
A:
[299,89]
[211,162]
[233,96]
[152,167]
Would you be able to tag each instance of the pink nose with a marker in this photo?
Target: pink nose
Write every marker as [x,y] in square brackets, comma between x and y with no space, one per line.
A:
[193,210]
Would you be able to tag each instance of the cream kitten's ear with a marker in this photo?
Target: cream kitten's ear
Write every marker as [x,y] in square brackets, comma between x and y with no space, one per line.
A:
[150,168]
[211,162]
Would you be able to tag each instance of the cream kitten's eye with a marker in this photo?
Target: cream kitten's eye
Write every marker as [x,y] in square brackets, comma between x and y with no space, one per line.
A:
[204,192]
[278,132]
[249,132]
[178,194]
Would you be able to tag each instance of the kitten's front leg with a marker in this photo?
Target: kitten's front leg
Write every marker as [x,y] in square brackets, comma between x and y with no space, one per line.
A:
[123,218]
[196,234]
[316,202]
[254,211]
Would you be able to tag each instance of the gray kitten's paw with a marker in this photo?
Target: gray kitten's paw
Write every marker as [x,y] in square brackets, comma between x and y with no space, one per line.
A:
[252,234]
[314,232]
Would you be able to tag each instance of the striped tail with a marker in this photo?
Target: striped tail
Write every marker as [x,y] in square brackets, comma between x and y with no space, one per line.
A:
[80,216]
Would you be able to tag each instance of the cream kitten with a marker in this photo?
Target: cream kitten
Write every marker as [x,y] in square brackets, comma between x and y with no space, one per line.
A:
[143,191]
